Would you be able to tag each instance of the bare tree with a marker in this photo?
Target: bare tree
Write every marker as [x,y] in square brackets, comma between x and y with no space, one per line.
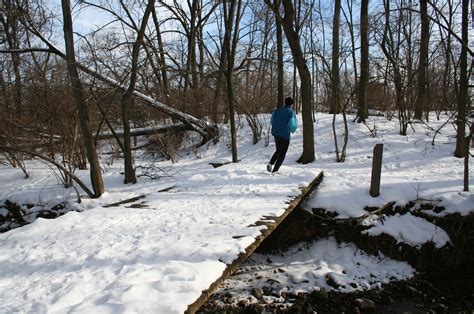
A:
[232,17]
[364,61]
[335,79]
[422,99]
[461,145]
[335,85]
[127,97]
[11,28]
[288,23]
[163,67]
[78,91]
[448,79]
[279,38]
[391,47]
[350,23]
[192,20]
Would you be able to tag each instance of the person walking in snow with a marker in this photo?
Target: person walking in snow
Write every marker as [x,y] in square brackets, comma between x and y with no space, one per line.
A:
[283,122]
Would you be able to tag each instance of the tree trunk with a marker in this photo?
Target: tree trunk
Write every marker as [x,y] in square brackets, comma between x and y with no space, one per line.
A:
[164,70]
[192,57]
[422,99]
[220,81]
[10,23]
[127,98]
[79,97]
[461,147]
[200,39]
[335,106]
[391,53]
[229,15]
[305,78]
[280,72]
[349,20]
[362,111]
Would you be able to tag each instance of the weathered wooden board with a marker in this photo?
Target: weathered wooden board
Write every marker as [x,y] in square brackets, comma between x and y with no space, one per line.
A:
[271,223]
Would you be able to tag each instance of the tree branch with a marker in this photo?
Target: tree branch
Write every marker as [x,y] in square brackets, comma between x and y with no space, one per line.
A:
[58,165]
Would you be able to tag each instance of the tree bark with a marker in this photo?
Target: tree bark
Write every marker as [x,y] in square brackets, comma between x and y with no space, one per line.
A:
[335,106]
[305,78]
[350,23]
[164,70]
[461,147]
[229,15]
[280,72]
[422,99]
[362,111]
[392,53]
[192,60]
[127,97]
[10,23]
[220,81]
[79,97]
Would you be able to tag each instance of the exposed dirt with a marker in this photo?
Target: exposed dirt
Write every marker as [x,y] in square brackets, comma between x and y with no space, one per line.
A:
[444,283]
[459,254]
[440,293]
[14,215]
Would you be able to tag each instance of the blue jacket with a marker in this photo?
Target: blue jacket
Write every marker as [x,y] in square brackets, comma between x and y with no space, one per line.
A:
[283,122]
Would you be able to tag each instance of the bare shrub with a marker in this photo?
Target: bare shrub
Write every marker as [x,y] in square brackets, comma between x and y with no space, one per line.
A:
[166,145]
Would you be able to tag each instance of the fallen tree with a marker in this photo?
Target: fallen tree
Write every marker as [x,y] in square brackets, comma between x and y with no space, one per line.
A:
[145,131]
[159,129]
[206,130]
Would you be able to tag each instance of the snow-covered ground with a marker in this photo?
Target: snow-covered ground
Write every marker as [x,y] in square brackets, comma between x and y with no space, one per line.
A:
[412,168]
[156,254]
[307,267]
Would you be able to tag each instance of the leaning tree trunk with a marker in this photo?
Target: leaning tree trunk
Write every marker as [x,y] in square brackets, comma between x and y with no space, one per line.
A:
[79,98]
[127,98]
[461,147]
[362,111]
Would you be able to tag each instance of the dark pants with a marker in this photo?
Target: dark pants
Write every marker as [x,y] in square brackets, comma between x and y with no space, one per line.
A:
[279,155]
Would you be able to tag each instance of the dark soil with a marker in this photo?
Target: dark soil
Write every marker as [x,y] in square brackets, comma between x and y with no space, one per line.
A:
[426,293]
[444,282]
[13,215]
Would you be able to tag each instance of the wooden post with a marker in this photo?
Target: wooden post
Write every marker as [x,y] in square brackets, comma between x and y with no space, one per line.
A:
[466,169]
[466,157]
[376,170]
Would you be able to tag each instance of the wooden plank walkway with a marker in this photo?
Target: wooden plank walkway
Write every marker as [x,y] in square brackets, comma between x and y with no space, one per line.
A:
[271,223]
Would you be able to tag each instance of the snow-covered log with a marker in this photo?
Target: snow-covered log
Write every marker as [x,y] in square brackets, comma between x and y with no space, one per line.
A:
[203,128]
[146,131]
[106,134]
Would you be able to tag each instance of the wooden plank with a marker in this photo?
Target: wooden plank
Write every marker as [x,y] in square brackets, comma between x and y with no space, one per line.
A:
[231,268]
[136,198]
